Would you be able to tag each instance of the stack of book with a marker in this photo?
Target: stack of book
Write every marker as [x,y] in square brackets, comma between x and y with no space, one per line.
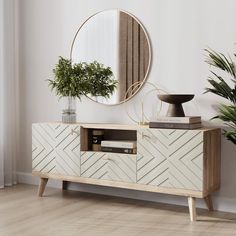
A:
[128,147]
[187,122]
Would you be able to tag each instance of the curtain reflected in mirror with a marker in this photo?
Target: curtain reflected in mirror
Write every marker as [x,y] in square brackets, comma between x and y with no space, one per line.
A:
[117,40]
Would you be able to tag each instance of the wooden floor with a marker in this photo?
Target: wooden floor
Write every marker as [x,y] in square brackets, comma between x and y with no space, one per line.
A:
[69,213]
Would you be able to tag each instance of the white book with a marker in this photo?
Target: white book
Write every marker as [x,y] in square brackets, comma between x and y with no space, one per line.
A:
[181,120]
[119,144]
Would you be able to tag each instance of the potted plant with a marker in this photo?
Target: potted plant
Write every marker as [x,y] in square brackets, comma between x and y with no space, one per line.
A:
[72,81]
[227,112]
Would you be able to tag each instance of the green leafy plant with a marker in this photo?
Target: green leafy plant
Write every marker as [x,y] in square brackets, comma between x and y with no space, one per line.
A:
[220,87]
[100,81]
[78,79]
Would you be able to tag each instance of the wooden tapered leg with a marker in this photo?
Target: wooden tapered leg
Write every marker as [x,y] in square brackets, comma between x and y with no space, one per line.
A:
[192,208]
[208,201]
[64,185]
[42,185]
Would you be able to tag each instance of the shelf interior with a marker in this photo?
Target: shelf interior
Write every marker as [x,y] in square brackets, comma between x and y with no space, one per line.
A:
[109,134]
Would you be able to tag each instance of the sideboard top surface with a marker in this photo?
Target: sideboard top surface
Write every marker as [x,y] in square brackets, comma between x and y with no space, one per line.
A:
[118,126]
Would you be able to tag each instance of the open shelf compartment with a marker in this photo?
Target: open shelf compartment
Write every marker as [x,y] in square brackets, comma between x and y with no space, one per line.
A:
[86,135]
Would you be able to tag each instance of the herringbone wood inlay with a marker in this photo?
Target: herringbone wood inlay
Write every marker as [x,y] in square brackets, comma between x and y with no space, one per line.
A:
[170,158]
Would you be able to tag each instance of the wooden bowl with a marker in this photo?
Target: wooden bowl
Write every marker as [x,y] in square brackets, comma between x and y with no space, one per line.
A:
[175,101]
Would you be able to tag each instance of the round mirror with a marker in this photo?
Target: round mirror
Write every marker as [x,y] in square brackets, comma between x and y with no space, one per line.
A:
[117,40]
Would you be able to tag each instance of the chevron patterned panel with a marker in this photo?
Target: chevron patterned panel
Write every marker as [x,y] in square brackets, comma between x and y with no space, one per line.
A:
[122,167]
[56,149]
[152,162]
[109,166]
[170,158]
[186,159]
[94,165]
[67,148]
[43,144]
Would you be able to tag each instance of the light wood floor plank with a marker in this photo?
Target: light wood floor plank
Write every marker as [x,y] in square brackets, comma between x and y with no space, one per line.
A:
[71,213]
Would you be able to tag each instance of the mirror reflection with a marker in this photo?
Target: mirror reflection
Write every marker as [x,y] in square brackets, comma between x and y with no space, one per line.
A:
[115,39]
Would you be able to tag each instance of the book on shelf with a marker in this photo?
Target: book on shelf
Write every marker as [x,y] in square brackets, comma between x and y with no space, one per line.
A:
[119,150]
[181,120]
[174,125]
[119,143]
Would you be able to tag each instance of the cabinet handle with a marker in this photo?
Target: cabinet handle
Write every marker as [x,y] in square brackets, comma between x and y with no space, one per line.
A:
[74,132]
[145,136]
[107,158]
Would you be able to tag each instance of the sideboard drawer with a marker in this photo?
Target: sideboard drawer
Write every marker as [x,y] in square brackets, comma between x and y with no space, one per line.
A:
[122,167]
[109,166]
[93,165]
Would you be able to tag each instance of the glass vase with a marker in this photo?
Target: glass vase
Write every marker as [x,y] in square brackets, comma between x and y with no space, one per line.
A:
[69,110]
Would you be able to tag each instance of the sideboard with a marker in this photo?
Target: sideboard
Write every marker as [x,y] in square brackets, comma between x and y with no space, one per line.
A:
[170,161]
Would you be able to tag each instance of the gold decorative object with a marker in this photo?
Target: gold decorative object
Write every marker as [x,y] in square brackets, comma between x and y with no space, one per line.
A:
[144,119]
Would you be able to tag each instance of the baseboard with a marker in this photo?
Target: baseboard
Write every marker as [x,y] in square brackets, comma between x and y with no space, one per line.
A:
[28,178]
[220,203]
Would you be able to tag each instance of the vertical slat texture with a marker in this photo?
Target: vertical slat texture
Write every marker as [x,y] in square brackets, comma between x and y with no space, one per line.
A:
[123,51]
[133,53]
[129,78]
[142,55]
[145,48]
[136,45]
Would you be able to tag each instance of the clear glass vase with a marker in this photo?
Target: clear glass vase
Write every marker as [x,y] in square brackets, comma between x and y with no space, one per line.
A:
[69,110]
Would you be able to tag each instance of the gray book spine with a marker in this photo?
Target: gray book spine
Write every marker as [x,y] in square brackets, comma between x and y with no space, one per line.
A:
[119,150]
[174,125]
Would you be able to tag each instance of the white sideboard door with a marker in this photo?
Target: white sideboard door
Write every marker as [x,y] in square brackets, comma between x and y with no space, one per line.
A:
[170,158]
[152,162]
[56,148]
[43,148]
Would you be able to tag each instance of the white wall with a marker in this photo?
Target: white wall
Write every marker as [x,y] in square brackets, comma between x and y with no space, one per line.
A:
[179,31]
[98,41]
